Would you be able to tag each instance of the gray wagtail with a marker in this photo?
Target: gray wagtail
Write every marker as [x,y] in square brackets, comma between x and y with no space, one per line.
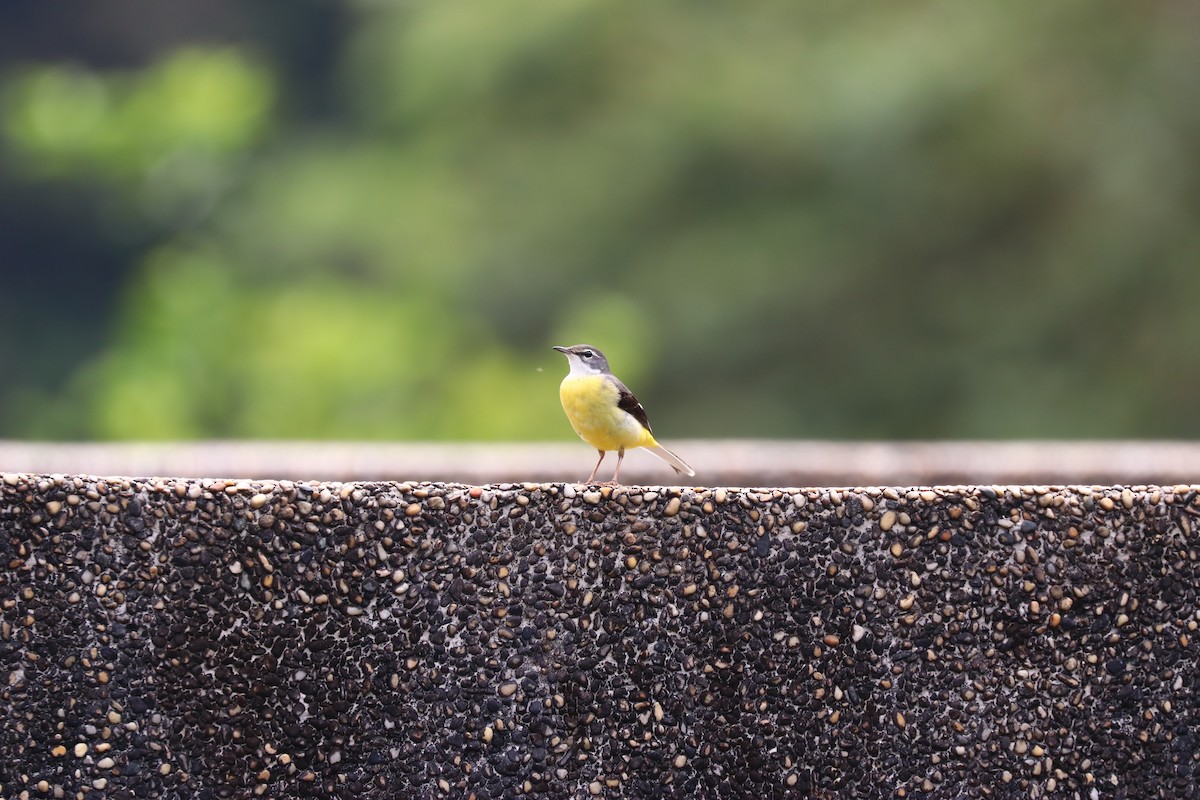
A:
[605,413]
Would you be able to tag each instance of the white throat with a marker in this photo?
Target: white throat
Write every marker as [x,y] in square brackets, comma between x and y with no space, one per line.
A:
[580,369]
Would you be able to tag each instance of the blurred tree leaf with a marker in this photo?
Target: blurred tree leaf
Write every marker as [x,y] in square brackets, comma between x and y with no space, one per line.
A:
[66,120]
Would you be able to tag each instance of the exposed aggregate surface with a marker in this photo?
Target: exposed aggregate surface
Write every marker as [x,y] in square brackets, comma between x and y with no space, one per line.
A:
[182,638]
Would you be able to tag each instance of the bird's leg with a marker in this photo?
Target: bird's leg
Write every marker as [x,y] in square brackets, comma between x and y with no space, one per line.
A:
[617,471]
[592,477]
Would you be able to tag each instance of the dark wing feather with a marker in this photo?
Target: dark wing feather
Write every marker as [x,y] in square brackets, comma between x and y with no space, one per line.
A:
[628,403]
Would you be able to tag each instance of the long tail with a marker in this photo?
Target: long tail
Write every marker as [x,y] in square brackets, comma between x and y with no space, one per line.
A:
[677,463]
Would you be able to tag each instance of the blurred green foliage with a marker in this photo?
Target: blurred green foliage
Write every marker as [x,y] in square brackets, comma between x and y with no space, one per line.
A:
[781,219]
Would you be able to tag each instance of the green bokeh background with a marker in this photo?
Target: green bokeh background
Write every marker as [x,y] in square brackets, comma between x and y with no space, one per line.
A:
[779,219]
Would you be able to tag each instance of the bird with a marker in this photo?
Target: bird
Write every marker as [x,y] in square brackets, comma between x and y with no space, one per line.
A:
[605,413]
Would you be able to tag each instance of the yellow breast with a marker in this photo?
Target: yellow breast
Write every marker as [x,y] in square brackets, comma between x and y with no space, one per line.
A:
[591,405]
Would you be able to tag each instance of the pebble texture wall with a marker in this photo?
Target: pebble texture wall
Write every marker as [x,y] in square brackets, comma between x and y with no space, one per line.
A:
[176,638]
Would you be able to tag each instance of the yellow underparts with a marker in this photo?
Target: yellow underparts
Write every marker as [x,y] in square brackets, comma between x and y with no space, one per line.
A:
[591,405]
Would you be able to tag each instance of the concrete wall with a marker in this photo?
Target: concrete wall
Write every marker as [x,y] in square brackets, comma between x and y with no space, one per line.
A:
[176,638]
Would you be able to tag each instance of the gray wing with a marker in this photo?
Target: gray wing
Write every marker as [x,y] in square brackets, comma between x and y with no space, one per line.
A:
[628,403]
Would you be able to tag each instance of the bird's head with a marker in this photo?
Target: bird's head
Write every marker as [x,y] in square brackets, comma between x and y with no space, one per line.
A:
[585,359]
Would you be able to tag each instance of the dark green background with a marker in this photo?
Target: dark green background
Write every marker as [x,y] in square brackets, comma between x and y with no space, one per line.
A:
[371,220]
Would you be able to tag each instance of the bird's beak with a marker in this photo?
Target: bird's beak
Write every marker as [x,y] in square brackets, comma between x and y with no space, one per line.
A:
[562,350]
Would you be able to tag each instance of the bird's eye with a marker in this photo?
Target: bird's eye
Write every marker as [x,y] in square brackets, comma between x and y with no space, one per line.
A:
[585,353]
